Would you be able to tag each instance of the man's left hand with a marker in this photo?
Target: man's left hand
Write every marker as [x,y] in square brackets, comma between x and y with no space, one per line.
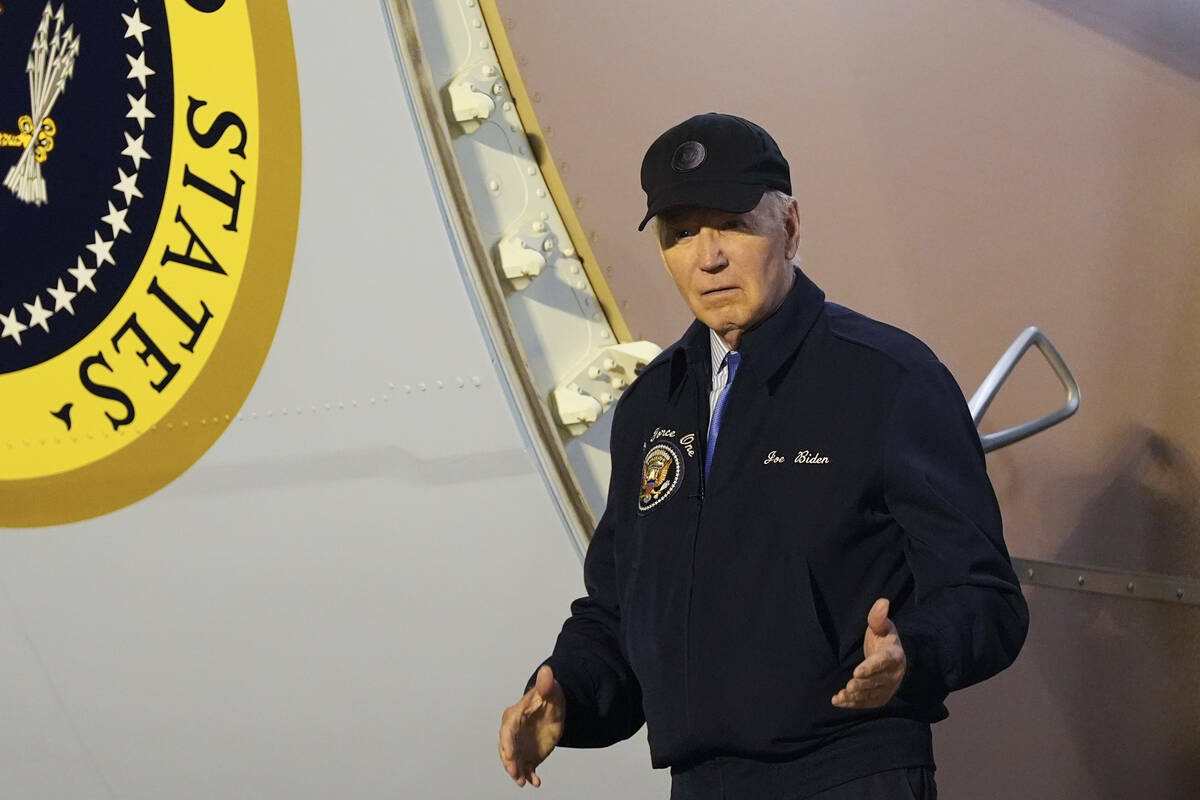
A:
[878,677]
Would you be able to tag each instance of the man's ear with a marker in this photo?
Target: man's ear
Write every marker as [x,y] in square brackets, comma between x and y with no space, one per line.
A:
[792,226]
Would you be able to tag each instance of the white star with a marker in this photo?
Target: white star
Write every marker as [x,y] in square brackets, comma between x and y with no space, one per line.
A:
[83,276]
[138,68]
[116,220]
[37,314]
[101,248]
[12,327]
[134,26]
[135,150]
[62,298]
[127,185]
[138,110]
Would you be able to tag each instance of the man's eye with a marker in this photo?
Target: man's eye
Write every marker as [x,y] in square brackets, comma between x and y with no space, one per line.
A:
[680,233]
[733,224]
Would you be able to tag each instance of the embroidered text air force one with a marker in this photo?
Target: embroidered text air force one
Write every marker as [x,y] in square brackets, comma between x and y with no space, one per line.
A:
[726,611]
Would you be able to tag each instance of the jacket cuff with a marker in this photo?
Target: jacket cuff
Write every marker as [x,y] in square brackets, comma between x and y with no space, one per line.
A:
[923,679]
[572,686]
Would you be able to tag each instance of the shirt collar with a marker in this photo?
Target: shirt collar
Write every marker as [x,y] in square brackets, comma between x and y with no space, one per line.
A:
[718,349]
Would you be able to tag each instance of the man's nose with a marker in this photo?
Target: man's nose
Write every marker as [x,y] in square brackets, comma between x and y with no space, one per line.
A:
[711,255]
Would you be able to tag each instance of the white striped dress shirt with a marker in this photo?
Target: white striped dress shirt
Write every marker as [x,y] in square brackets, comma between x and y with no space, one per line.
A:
[720,371]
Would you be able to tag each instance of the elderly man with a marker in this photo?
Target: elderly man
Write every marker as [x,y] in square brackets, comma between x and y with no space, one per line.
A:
[801,555]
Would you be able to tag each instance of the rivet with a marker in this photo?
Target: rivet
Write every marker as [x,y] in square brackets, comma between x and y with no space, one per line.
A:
[354,404]
[407,389]
[299,411]
[488,70]
[593,372]
[587,301]
[531,171]
[523,150]
[461,383]
[539,226]
[497,88]
[604,335]
[596,316]
[536,97]
[1079,580]
[478,23]
[475,380]
[507,106]
[574,268]
[1179,593]
[391,385]
[253,415]
[372,401]
[484,44]
[609,365]
[440,385]
[422,386]
[1129,586]
[548,245]
[580,286]
[470,3]
[327,406]
[1030,572]
[203,421]
[545,215]
[569,252]
[606,398]
[514,128]
[541,192]
[283,412]
[494,185]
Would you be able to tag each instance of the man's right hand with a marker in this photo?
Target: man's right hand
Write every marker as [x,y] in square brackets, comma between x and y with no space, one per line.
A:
[531,728]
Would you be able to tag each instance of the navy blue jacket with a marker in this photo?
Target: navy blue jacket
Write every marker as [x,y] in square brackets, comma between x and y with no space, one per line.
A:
[727,612]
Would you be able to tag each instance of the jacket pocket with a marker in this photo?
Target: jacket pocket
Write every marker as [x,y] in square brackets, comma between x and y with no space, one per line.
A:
[822,615]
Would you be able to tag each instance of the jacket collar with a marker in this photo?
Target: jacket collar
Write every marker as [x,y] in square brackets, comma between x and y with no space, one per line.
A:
[768,345]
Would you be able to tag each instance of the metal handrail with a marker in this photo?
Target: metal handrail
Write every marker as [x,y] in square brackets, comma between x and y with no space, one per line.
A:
[987,390]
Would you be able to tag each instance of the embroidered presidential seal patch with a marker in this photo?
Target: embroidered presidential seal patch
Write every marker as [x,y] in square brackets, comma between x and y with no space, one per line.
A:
[662,474]
[148,210]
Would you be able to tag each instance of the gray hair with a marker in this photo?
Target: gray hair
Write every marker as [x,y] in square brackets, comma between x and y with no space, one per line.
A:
[772,213]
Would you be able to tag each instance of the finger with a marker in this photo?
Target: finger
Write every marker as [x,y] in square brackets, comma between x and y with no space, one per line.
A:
[883,661]
[545,681]
[871,665]
[867,684]
[534,779]
[872,699]
[877,618]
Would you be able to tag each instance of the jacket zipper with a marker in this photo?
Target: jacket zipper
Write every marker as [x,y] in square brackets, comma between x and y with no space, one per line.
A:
[687,622]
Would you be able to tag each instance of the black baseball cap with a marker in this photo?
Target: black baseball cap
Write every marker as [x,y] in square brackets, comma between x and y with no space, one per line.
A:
[714,161]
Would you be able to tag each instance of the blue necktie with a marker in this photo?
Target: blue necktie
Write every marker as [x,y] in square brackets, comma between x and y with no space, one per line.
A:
[732,359]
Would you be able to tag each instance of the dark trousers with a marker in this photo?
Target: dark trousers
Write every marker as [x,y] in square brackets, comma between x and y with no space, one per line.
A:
[910,783]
